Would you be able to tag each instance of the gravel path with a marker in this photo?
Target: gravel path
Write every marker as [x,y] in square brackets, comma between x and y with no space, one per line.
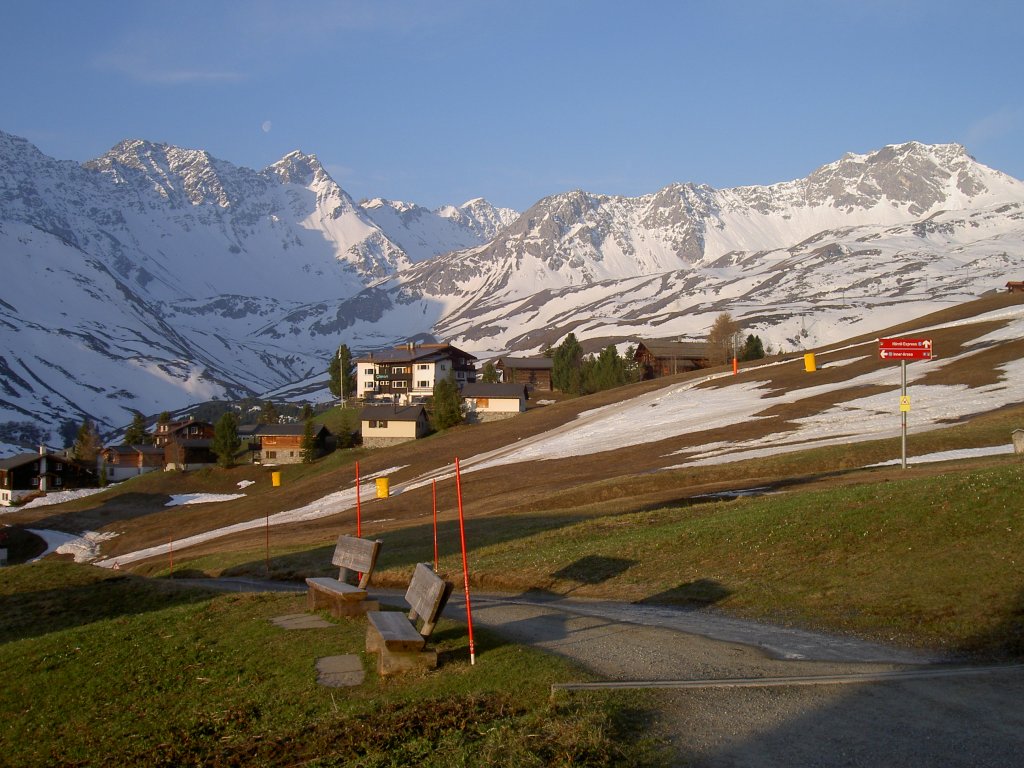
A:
[974,719]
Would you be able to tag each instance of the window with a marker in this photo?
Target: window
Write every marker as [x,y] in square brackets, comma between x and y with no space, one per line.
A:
[58,482]
[423,384]
[400,369]
[400,384]
[368,371]
[423,367]
[378,424]
[369,385]
[271,454]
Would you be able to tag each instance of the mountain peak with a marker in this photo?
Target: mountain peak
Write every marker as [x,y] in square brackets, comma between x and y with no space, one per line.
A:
[298,168]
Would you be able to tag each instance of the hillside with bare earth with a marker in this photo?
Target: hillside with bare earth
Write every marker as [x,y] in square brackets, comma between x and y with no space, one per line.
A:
[647,444]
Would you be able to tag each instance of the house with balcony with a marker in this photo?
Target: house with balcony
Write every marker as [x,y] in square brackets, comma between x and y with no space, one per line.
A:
[34,474]
[408,373]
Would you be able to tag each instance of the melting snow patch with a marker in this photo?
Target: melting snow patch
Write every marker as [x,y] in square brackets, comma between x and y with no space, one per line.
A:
[59,497]
[84,547]
[246,483]
[201,498]
[965,453]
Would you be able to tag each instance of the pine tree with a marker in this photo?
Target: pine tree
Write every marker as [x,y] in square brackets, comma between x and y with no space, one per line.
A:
[225,440]
[566,368]
[340,371]
[447,404]
[136,433]
[753,349]
[307,411]
[490,374]
[268,413]
[308,442]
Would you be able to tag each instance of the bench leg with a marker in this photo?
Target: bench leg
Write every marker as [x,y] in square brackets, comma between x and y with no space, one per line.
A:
[390,662]
[343,608]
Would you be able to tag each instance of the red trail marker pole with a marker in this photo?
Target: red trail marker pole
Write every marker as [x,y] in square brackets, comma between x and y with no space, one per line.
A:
[465,564]
[359,511]
[433,484]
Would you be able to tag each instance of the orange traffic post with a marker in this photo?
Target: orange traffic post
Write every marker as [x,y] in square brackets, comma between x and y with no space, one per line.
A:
[465,564]
[735,366]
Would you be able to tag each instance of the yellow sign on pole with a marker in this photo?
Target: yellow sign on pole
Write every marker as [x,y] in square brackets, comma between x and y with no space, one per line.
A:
[905,403]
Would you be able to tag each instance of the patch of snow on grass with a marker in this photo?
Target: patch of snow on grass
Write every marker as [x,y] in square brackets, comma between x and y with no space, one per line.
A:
[201,498]
[59,497]
[84,547]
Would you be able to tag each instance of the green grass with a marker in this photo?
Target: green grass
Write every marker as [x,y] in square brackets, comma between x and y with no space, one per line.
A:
[106,669]
[933,561]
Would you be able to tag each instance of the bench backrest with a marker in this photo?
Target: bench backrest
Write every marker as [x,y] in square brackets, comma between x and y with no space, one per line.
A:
[427,595]
[355,556]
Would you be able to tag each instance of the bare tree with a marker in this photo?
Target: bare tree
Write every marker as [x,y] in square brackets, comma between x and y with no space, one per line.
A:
[724,339]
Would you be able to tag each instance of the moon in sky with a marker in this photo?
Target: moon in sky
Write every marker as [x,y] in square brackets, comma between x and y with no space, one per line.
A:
[266,126]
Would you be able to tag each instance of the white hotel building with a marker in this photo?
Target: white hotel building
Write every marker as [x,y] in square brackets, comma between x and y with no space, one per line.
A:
[409,372]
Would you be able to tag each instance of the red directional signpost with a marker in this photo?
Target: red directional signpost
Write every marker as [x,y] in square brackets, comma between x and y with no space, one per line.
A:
[904,350]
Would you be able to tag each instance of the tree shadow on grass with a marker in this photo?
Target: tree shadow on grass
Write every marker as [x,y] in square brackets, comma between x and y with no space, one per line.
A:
[42,598]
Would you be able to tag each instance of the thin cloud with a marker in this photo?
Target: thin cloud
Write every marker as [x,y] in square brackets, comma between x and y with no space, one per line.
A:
[996,125]
[145,71]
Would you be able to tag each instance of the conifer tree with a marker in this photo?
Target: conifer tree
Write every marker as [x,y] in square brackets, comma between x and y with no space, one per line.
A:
[447,403]
[566,368]
[136,433]
[225,440]
[308,442]
[268,413]
[490,374]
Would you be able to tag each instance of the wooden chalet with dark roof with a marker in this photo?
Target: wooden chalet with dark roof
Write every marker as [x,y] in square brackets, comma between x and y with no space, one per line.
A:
[282,443]
[665,358]
[124,461]
[532,372]
[37,473]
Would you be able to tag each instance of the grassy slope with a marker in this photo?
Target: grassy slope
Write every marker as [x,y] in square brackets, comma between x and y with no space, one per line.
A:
[528,523]
[107,669]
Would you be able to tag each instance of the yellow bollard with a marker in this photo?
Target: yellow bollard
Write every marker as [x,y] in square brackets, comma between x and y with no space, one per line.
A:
[275,479]
[383,488]
[809,365]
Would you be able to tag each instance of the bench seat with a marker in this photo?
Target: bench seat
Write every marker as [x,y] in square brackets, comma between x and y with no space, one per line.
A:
[394,636]
[352,555]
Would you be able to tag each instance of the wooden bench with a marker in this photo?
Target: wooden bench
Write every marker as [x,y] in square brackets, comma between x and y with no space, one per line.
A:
[342,598]
[394,636]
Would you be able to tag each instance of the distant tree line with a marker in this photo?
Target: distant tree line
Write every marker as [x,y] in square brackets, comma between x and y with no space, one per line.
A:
[575,373]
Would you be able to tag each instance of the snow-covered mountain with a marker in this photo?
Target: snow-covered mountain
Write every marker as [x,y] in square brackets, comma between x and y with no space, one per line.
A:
[154,276]
[905,229]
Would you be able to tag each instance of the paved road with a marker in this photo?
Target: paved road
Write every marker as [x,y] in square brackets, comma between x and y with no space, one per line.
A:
[959,720]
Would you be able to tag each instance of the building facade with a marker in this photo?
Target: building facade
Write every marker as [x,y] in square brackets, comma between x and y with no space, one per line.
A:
[407,374]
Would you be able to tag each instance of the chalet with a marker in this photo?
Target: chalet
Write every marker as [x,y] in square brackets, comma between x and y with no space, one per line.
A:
[384,425]
[282,443]
[35,473]
[489,402]
[182,430]
[185,455]
[1015,286]
[664,358]
[124,461]
[410,371]
[533,372]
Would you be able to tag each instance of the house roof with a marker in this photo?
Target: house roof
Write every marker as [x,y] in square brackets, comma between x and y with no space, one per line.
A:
[126,449]
[392,413]
[18,461]
[693,350]
[485,389]
[418,354]
[22,459]
[526,363]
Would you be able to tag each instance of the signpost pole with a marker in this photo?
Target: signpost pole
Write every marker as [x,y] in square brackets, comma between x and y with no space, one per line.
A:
[903,413]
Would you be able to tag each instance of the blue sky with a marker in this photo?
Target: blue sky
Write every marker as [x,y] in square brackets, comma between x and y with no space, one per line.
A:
[439,102]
